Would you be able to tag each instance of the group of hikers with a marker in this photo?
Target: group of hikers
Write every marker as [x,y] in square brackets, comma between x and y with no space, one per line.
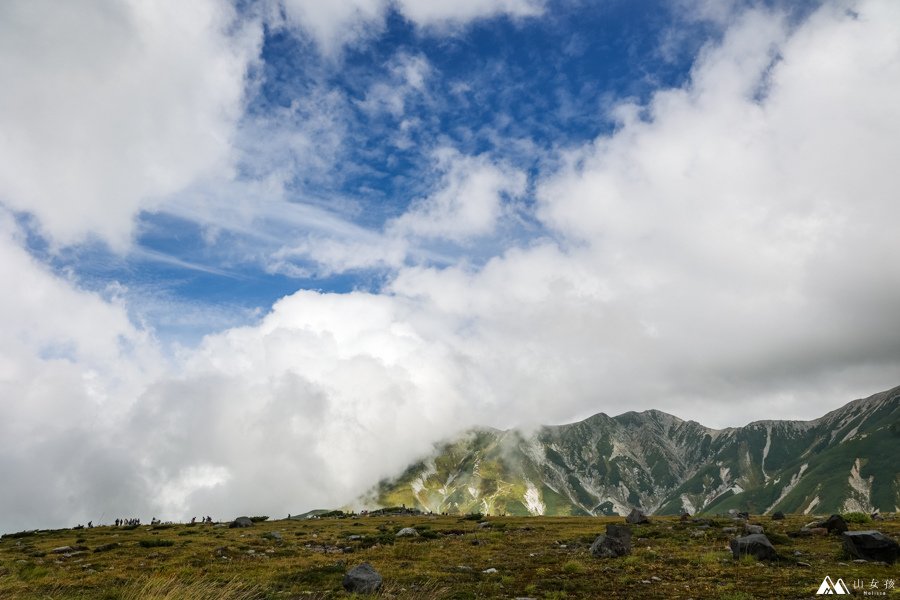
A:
[153,521]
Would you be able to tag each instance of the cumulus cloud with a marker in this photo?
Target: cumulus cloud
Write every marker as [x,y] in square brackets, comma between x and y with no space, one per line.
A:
[71,367]
[108,106]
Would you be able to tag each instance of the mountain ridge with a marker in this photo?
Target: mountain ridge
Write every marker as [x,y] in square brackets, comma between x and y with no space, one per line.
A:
[653,460]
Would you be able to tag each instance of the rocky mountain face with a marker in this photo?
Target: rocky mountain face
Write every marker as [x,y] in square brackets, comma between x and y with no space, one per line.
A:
[847,460]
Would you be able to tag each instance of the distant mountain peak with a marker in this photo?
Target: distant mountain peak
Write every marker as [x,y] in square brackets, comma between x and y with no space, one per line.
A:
[650,459]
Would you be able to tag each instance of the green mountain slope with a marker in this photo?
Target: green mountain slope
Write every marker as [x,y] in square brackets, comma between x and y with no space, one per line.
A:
[843,461]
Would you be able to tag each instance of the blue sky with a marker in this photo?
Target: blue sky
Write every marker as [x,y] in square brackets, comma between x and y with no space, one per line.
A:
[517,89]
[260,254]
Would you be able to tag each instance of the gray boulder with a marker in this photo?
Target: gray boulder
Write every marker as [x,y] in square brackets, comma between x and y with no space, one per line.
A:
[407,532]
[871,545]
[241,522]
[835,524]
[636,517]
[362,579]
[616,542]
[748,528]
[778,516]
[755,544]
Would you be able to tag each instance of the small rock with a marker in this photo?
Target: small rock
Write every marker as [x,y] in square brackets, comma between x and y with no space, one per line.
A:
[835,524]
[743,515]
[484,525]
[755,544]
[490,571]
[616,542]
[407,532]
[871,545]
[273,535]
[778,516]
[803,564]
[655,578]
[753,528]
[62,550]
[354,538]
[636,517]
[729,530]
[362,579]
[241,522]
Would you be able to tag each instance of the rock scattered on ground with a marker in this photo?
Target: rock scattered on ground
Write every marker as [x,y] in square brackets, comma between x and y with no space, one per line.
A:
[755,544]
[407,532]
[637,517]
[362,579]
[778,516]
[616,542]
[241,522]
[871,545]
[753,528]
[835,524]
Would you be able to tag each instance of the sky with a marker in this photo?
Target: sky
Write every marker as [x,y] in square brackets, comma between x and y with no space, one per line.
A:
[260,254]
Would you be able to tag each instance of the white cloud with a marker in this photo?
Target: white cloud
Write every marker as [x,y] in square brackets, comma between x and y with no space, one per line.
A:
[468,202]
[408,76]
[108,106]
[334,25]
[440,14]
[71,368]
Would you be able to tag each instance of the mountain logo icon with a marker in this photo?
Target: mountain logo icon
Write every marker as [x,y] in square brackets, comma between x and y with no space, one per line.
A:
[832,587]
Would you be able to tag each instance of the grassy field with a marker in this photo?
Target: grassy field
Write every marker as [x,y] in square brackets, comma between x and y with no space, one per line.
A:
[534,557]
